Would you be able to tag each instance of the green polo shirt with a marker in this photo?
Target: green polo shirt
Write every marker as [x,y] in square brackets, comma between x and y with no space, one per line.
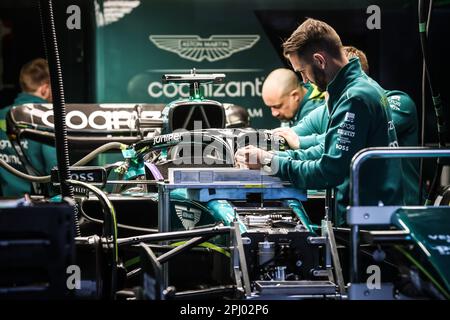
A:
[312,130]
[42,157]
[360,117]
[313,98]
[404,115]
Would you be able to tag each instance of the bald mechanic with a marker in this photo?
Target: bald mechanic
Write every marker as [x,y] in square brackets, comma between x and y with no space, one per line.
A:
[359,118]
[288,99]
[310,131]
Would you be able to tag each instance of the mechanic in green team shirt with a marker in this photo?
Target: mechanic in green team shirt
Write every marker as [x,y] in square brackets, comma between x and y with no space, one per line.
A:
[404,115]
[288,99]
[35,83]
[360,117]
[311,131]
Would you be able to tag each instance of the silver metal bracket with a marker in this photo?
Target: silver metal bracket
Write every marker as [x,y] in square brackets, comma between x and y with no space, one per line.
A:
[370,215]
[360,291]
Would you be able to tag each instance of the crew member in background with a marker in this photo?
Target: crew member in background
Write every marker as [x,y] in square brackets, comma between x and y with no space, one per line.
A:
[35,83]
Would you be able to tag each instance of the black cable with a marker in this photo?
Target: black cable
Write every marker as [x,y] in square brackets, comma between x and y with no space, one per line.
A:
[82,162]
[109,227]
[59,111]
[437,102]
[422,133]
[119,225]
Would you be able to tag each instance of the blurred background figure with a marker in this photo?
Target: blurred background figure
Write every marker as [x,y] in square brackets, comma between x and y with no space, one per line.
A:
[35,84]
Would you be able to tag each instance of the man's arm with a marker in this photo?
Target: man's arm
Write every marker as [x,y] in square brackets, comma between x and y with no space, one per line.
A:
[312,153]
[310,130]
[347,135]
[404,112]
[311,141]
[310,124]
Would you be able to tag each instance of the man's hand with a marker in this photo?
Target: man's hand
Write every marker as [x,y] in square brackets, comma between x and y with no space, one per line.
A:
[291,137]
[252,157]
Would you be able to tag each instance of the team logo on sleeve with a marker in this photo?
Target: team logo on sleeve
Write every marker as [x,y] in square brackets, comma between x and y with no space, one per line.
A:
[394,102]
[346,132]
[349,117]
[195,48]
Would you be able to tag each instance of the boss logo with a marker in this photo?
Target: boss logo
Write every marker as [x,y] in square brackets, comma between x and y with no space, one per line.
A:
[90,174]
[86,177]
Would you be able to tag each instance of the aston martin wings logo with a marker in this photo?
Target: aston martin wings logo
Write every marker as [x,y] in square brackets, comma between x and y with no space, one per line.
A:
[189,217]
[214,48]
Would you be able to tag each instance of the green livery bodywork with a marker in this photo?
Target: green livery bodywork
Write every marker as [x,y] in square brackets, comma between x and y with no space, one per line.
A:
[429,228]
